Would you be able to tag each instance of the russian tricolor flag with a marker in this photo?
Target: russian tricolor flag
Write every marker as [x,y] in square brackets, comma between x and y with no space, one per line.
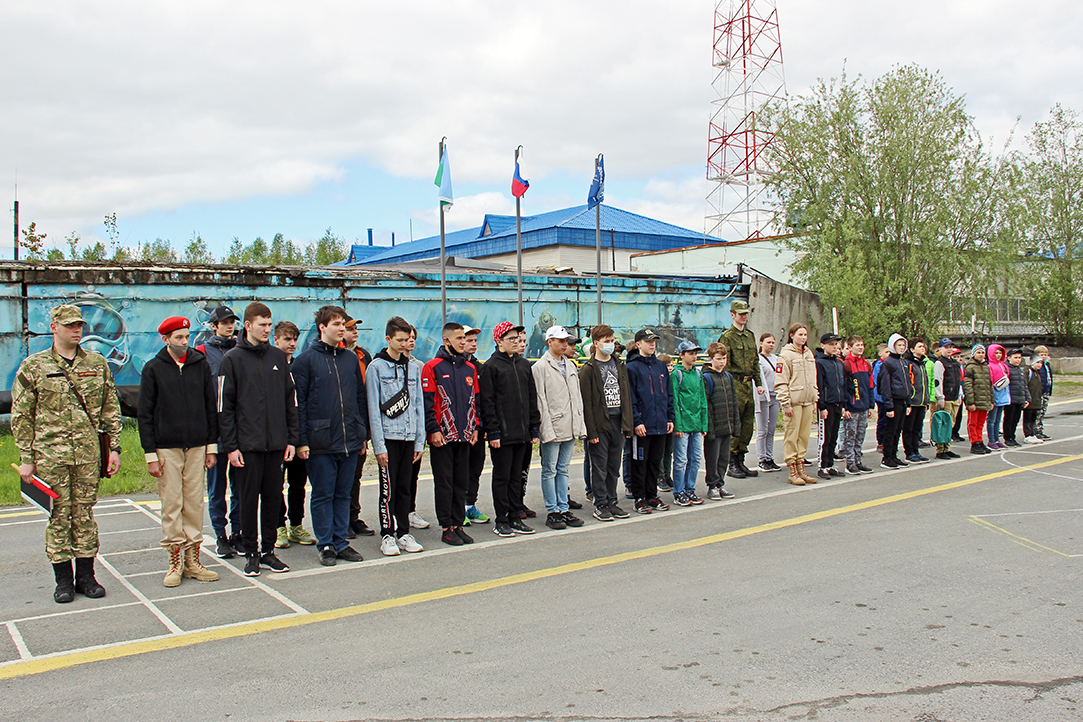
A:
[519,184]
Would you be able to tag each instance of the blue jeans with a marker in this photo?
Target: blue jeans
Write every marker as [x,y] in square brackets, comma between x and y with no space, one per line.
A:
[556,456]
[331,477]
[217,481]
[992,423]
[687,457]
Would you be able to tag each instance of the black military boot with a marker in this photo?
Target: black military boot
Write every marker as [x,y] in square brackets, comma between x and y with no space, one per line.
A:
[65,583]
[735,469]
[741,463]
[85,583]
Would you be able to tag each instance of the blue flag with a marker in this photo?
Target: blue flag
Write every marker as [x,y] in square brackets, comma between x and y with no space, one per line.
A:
[597,188]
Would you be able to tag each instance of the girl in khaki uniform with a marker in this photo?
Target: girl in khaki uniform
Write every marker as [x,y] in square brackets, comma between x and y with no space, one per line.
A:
[795,386]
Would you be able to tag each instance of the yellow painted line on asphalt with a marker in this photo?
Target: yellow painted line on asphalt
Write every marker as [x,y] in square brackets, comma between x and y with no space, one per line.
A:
[1021,540]
[62,661]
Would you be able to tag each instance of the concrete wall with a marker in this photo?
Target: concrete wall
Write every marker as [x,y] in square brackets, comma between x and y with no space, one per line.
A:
[776,306]
[719,259]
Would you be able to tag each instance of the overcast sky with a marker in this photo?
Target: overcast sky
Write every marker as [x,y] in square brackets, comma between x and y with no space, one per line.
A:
[251,118]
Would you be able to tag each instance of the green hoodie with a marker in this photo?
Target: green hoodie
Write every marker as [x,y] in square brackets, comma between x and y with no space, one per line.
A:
[689,400]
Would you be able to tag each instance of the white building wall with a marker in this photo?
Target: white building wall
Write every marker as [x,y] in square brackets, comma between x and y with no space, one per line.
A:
[580,258]
[765,256]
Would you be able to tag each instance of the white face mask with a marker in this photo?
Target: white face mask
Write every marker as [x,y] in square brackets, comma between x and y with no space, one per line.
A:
[608,348]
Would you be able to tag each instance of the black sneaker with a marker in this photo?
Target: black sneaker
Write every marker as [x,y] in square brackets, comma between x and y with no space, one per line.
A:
[237,542]
[956,437]
[890,464]
[823,474]
[952,455]
[451,538]
[978,448]
[903,463]
[555,520]
[943,455]
[573,504]
[327,556]
[665,486]
[1012,442]
[602,513]
[519,527]
[642,507]
[503,530]
[360,528]
[467,539]
[725,493]
[852,469]
[270,561]
[529,513]
[590,496]
[223,549]
[617,512]
[834,472]
[864,469]
[251,567]
[349,554]
[657,504]
[923,444]
[571,519]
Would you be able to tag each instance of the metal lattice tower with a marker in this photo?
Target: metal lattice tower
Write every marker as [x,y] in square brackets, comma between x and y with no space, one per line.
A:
[747,57]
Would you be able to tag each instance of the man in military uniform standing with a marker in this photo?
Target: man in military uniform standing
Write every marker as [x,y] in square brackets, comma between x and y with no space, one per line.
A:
[58,442]
[745,368]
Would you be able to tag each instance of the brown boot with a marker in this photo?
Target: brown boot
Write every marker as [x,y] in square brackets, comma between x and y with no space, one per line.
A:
[173,576]
[795,477]
[194,569]
[804,477]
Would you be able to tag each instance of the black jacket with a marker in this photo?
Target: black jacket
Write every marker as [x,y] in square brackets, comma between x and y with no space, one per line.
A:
[332,409]
[893,383]
[509,399]
[723,413]
[257,409]
[595,410]
[830,379]
[177,403]
[1017,385]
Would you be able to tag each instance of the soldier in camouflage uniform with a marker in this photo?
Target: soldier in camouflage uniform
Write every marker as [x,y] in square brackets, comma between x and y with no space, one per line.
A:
[744,366]
[59,443]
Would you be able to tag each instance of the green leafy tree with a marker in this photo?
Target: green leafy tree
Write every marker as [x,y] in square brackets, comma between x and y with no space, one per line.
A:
[1049,212]
[197,252]
[72,240]
[97,252]
[257,253]
[157,251]
[284,252]
[235,255]
[33,242]
[327,250]
[54,254]
[897,204]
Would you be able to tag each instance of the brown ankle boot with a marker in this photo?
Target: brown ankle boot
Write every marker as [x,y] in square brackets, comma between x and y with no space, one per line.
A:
[795,476]
[194,569]
[804,477]
[173,576]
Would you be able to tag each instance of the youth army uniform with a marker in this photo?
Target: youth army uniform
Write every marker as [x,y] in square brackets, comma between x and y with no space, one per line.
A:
[52,431]
[744,366]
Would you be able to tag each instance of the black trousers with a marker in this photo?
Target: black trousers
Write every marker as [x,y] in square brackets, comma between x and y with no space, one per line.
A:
[958,420]
[881,421]
[355,490]
[395,488]
[477,465]
[1030,419]
[260,484]
[526,473]
[296,478]
[716,454]
[647,454]
[1012,414]
[911,431]
[415,471]
[451,476]
[605,458]
[893,429]
[508,481]
[829,434]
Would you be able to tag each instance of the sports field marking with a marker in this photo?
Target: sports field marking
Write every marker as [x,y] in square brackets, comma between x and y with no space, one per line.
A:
[1019,539]
[128,649]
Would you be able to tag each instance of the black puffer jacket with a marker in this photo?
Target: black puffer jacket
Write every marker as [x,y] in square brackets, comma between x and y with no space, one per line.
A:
[723,416]
[177,403]
[509,399]
[257,409]
[1017,384]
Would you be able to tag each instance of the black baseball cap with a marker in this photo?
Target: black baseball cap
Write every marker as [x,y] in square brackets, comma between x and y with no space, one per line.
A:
[829,337]
[223,313]
[646,334]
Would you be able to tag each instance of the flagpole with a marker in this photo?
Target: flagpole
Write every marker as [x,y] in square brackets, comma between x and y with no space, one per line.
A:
[598,246]
[443,250]
[519,246]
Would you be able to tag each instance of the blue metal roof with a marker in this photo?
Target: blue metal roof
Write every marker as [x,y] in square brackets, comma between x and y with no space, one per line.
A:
[569,226]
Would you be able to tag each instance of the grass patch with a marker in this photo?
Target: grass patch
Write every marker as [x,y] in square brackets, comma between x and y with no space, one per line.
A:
[131,479]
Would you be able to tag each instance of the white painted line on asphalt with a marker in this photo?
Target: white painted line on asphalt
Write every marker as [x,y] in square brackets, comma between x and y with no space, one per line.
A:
[1024,513]
[129,531]
[130,551]
[85,610]
[17,638]
[207,594]
[1004,458]
[169,624]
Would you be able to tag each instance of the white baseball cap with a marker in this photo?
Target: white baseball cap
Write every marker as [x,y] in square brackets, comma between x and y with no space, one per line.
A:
[557,332]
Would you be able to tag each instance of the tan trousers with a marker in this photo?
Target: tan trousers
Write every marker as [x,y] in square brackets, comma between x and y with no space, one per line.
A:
[181,490]
[796,430]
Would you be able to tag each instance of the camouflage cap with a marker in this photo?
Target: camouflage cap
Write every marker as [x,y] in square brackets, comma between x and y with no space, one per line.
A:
[739,307]
[66,314]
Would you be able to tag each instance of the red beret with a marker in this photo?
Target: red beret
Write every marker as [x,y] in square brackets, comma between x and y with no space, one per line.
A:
[173,323]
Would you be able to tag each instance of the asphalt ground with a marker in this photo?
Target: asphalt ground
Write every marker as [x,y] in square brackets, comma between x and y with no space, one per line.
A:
[946,591]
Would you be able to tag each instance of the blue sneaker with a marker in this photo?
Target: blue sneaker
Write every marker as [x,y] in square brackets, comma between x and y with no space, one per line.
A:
[474,516]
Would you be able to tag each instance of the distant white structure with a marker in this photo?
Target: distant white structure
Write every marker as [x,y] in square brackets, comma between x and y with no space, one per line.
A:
[765,255]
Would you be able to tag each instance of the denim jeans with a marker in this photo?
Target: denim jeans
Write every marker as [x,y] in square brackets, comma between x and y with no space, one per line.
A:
[992,423]
[556,456]
[687,458]
[218,478]
[331,476]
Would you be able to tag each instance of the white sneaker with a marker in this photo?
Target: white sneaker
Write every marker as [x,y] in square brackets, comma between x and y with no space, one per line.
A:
[1031,440]
[407,543]
[416,522]
[388,547]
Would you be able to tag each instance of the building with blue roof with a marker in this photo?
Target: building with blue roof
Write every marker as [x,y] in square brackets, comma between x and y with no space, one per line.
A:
[557,239]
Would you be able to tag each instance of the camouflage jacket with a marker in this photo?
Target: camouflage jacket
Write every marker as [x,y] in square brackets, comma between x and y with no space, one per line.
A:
[48,422]
[743,355]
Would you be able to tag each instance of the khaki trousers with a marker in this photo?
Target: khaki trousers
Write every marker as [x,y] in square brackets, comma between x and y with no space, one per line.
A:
[181,490]
[796,430]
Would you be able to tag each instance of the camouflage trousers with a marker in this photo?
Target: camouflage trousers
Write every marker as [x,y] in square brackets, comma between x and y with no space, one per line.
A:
[746,409]
[72,531]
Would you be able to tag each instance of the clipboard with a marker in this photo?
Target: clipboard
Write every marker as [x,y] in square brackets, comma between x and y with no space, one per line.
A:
[38,492]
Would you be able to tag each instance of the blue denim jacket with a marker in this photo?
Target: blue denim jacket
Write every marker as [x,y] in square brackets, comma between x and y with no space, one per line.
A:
[383,379]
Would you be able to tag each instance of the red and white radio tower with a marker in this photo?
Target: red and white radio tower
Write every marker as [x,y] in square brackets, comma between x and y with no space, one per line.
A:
[748,61]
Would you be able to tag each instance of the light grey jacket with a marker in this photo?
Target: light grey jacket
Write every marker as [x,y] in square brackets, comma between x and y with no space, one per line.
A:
[559,400]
